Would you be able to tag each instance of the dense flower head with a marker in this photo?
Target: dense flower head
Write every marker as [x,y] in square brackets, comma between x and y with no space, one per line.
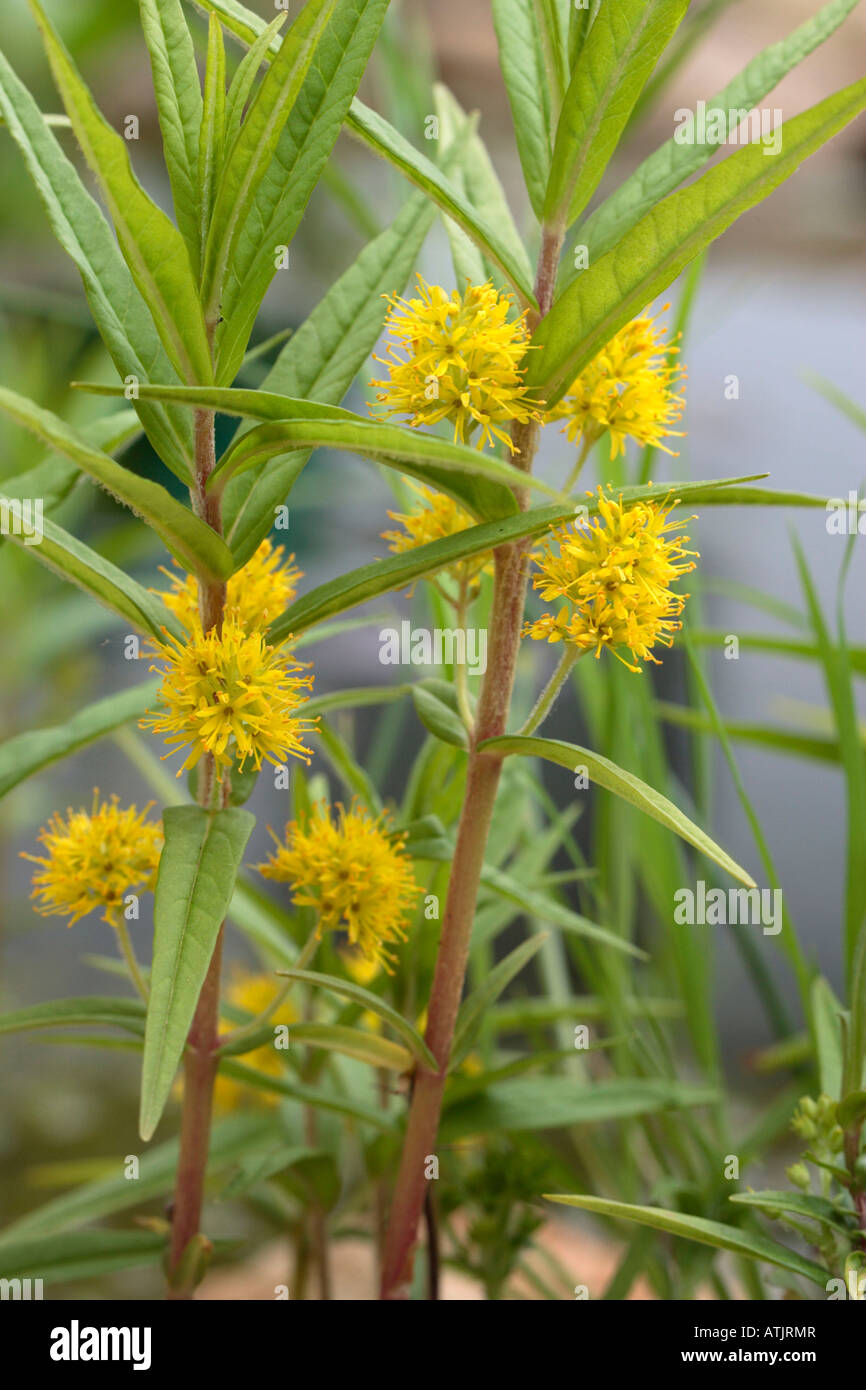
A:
[461,362]
[253,992]
[438,516]
[354,873]
[613,575]
[255,595]
[229,694]
[629,389]
[94,859]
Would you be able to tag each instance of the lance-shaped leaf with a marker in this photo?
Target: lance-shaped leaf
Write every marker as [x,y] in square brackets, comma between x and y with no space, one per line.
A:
[80,1254]
[400,571]
[384,140]
[29,752]
[623,47]
[623,784]
[672,163]
[152,246]
[304,148]
[76,562]
[754,1247]
[179,105]
[256,144]
[352,1042]
[322,359]
[471,1015]
[188,538]
[196,878]
[118,309]
[521,58]
[480,184]
[653,253]
[481,481]
[245,75]
[552,1102]
[230,1140]
[211,142]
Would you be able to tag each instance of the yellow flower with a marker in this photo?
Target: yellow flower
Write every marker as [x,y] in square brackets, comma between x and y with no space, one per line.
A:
[440,516]
[353,873]
[255,595]
[231,695]
[93,859]
[462,362]
[615,575]
[630,389]
[253,993]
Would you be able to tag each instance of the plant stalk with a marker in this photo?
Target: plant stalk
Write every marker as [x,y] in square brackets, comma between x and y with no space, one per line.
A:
[201,1057]
[482,781]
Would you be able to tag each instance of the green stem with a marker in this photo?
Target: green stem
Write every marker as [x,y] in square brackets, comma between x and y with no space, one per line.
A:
[548,695]
[131,963]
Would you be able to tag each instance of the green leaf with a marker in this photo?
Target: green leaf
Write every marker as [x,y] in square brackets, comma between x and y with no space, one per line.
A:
[188,538]
[475,1006]
[352,1042]
[197,872]
[230,1140]
[107,1011]
[797,1204]
[436,709]
[304,148]
[754,1247]
[273,1161]
[480,182]
[840,689]
[80,1254]
[552,1102]
[118,309]
[29,752]
[651,255]
[322,359]
[347,989]
[623,784]
[384,140]
[152,246]
[546,909]
[825,749]
[245,76]
[673,163]
[76,562]
[522,61]
[852,1110]
[312,1096]
[621,50]
[211,142]
[291,423]
[255,148]
[179,104]
[400,571]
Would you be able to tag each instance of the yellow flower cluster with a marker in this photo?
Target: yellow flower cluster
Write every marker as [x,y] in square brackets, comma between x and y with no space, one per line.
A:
[614,577]
[253,993]
[255,595]
[229,694]
[629,389]
[461,364]
[356,876]
[93,859]
[438,516]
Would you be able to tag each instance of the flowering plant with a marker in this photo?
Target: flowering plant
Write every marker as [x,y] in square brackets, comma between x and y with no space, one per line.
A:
[376,1034]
